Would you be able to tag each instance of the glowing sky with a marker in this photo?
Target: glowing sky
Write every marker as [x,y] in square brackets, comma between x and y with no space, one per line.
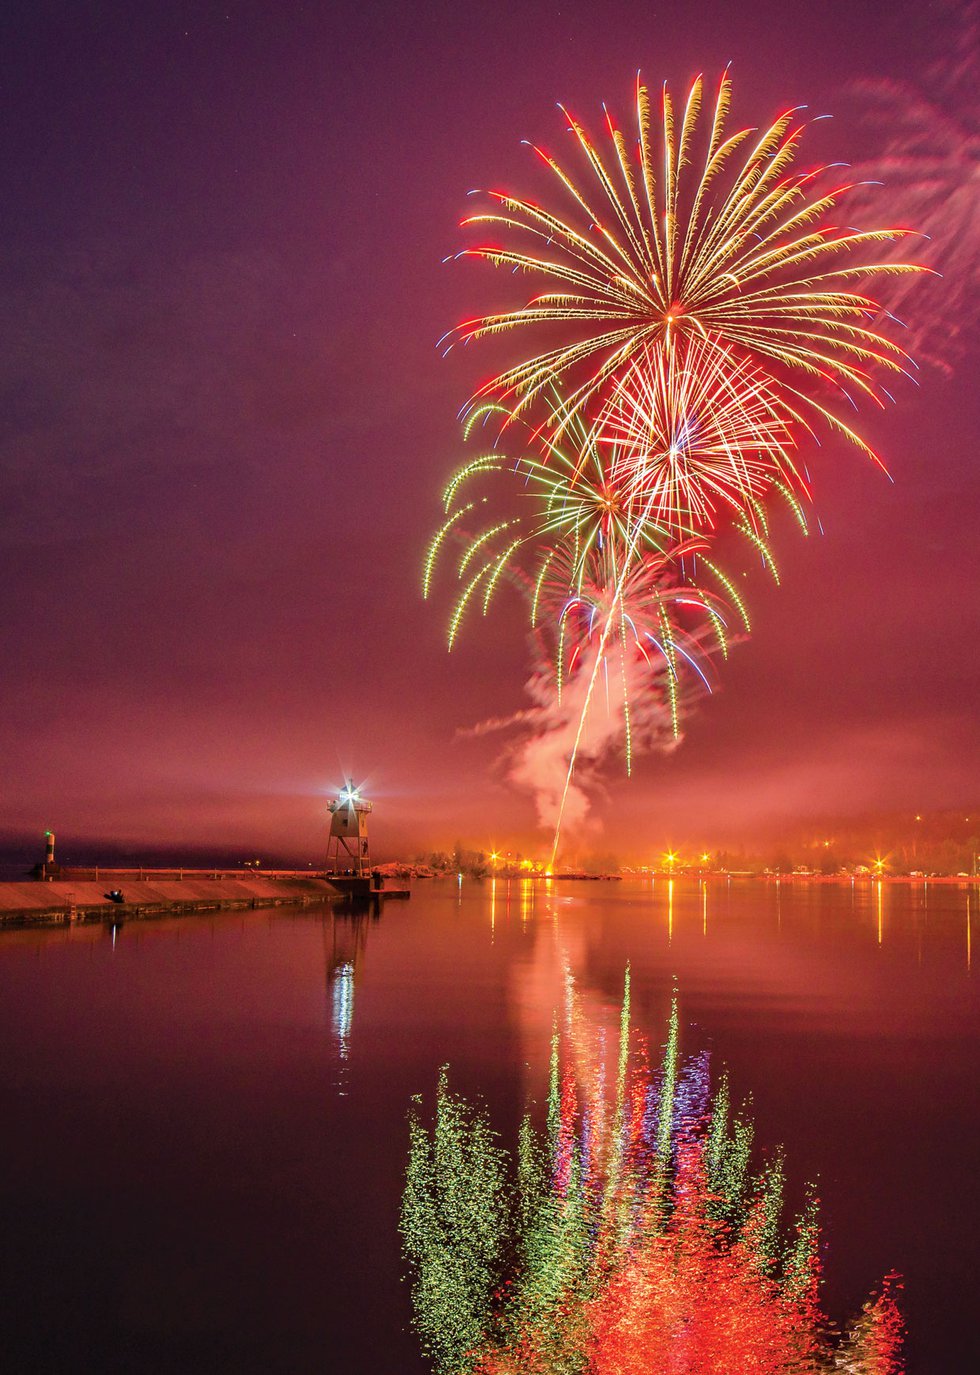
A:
[226,424]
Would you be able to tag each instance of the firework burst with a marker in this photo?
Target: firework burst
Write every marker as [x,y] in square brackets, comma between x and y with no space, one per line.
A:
[694,231]
[603,550]
[690,429]
[707,308]
[578,530]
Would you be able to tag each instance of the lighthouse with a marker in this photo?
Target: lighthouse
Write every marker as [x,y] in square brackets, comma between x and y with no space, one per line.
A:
[348,852]
[47,868]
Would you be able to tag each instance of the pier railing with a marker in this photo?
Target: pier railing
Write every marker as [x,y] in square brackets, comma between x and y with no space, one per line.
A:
[100,873]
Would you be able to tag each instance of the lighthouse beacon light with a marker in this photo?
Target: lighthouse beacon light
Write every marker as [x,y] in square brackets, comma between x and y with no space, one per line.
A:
[348,849]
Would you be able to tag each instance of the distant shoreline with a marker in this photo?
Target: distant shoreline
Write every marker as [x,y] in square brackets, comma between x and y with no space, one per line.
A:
[820,878]
[170,892]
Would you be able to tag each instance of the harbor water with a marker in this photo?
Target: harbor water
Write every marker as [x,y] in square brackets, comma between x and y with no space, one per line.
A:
[204,1131]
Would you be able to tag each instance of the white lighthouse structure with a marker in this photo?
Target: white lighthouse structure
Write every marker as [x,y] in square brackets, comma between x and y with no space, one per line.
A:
[348,851]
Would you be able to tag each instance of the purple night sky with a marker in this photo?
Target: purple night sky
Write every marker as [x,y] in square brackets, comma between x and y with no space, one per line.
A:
[226,427]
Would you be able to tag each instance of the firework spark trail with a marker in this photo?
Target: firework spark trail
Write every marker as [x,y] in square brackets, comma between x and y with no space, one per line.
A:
[687,434]
[627,568]
[581,724]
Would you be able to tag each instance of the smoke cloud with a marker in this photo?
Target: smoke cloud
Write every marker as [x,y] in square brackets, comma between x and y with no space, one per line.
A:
[927,176]
[537,760]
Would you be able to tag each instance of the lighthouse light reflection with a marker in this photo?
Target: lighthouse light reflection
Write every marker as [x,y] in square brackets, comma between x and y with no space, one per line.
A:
[343,1006]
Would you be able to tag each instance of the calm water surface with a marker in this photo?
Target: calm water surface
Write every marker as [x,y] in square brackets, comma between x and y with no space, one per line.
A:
[202,1121]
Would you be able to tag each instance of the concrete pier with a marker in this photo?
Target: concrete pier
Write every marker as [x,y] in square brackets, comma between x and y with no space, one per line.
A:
[146,894]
